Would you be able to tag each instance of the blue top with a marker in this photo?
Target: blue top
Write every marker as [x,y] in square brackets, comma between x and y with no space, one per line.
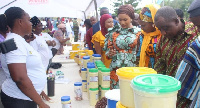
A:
[83,69]
[84,80]
[78,84]
[86,57]
[90,63]
[65,98]
[90,66]
[96,55]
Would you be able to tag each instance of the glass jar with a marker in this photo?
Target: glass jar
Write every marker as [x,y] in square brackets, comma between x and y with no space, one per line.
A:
[66,102]
[78,91]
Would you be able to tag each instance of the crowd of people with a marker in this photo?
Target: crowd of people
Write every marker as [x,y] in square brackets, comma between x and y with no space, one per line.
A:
[157,37]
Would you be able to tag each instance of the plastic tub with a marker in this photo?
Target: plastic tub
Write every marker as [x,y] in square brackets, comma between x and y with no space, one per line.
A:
[94,96]
[126,74]
[89,66]
[119,105]
[99,75]
[103,91]
[90,53]
[81,58]
[76,45]
[155,91]
[86,59]
[72,54]
[83,73]
[84,85]
[113,96]
[105,77]
[93,78]
[96,57]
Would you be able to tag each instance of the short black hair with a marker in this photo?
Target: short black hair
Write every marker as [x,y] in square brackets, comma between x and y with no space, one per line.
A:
[180,13]
[87,22]
[168,13]
[13,13]
[103,8]
[114,16]
[3,23]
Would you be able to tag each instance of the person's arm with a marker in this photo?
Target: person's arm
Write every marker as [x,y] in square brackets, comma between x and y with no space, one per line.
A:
[98,49]
[19,75]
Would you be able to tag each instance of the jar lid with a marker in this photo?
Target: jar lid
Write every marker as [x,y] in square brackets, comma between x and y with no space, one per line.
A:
[86,57]
[65,98]
[100,65]
[84,80]
[105,70]
[156,83]
[93,70]
[90,52]
[90,63]
[131,72]
[93,89]
[78,84]
[96,55]
[82,54]
[84,69]
[90,66]
[105,88]
[98,62]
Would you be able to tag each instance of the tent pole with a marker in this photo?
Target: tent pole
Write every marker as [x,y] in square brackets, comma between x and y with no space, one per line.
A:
[95,4]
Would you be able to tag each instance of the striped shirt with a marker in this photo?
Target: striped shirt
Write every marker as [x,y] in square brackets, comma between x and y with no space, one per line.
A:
[170,52]
[188,72]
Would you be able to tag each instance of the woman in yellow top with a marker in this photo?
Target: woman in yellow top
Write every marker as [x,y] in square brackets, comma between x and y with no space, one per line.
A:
[149,36]
[106,21]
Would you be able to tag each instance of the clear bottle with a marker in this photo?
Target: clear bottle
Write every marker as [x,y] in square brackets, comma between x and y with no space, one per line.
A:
[78,91]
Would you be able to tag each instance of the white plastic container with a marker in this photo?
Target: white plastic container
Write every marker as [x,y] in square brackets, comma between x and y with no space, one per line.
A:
[93,78]
[84,85]
[155,91]
[78,91]
[105,77]
[96,57]
[84,73]
[66,102]
[94,96]
[113,96]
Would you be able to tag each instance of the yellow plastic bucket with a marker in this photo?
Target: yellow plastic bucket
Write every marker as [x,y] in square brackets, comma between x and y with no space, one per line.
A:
[72,54]
[119,105]
[126,74]
[76,46]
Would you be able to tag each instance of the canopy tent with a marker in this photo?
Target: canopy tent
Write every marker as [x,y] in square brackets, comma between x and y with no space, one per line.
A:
[52,8]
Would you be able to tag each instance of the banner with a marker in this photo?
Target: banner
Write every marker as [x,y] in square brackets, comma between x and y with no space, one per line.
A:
[38,1]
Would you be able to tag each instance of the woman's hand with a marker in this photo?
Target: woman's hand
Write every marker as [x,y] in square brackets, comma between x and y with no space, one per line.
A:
[43,105]
[44,96]
[112,52]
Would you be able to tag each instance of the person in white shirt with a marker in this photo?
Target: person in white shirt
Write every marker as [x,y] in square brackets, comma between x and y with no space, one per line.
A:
[82,32]
[25,74]
[68,29]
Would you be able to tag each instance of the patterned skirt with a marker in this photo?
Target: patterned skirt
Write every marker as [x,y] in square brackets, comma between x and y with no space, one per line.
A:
[114,81]
[182,102]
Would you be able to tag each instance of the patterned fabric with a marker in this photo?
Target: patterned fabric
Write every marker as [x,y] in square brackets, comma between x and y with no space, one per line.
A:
[169,53]
[188,72]
[124,41]
[148,48]
[182,102]
[59,34]
[98,37]
[76,30]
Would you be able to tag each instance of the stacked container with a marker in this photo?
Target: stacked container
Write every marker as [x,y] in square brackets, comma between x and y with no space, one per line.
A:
[86,59]
[125,75]
[96,57]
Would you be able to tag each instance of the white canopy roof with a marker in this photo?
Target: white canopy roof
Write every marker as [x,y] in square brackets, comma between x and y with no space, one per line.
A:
[52,8]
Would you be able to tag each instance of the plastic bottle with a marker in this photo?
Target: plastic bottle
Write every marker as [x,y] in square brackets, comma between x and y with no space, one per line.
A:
[66,102]
[78,91]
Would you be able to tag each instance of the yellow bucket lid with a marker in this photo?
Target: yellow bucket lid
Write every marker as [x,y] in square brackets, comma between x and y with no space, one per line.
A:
[79,51]
[82,54]
[131,72]
[119,105]
[90,52]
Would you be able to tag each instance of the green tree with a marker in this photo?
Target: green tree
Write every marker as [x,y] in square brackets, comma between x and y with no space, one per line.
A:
[181,4]
[118,3]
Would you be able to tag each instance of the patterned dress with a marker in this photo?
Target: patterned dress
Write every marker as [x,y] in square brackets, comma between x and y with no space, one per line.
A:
[124,41]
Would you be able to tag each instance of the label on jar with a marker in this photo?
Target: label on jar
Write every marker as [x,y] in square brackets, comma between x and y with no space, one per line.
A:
[94,79]
[66,105]
[78,94]
[86,86]
[106,78]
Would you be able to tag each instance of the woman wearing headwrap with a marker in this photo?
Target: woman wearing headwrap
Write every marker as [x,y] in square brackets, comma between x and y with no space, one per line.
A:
[106,21]
[120,43]
[59,38]
[149,36]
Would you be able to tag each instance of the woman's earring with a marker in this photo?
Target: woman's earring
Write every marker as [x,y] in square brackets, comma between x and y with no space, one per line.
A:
[153,25]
